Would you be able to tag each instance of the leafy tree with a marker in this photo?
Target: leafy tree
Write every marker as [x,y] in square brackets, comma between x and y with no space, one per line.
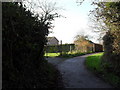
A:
[112,37]
[83,44]
[109,12]
[108,15]
[24,37]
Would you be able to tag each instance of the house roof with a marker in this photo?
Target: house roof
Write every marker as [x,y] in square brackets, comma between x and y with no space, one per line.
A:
[50,38]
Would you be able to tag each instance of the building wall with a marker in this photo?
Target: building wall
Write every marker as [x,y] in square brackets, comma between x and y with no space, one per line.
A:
[86,46]
[53,41]
[98,47]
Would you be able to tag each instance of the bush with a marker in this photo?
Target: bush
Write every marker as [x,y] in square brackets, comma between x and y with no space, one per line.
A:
[24,37]
[73,54]
[93,63]
[112,51]
[59,48]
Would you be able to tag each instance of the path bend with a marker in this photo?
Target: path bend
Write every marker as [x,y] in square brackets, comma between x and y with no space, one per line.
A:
[76,75]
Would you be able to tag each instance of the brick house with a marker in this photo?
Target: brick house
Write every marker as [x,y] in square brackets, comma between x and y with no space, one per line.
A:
[87,45]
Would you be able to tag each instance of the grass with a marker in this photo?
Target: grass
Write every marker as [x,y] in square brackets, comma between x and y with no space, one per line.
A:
[52,54]
[65,54]
[72,54]
[93,63]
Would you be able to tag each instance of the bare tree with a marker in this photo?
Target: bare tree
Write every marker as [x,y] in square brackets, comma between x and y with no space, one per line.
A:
[46,10]
[97,24]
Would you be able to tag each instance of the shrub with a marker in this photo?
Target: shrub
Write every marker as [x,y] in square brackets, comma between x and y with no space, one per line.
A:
[112,51]
[24,37]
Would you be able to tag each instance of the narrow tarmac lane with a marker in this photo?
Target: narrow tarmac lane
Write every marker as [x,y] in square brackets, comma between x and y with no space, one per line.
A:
[76,75]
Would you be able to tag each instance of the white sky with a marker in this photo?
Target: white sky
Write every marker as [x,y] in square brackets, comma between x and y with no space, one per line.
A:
[76,21]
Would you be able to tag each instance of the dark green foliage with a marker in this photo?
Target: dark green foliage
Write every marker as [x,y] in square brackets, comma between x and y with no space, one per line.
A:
[93,63]
[112,51]
[112,37]
[66,55]
[24,37]
[59,48]
[109,13]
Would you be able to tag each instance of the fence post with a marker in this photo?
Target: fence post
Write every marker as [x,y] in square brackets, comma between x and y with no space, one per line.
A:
[61,47]
[70,48]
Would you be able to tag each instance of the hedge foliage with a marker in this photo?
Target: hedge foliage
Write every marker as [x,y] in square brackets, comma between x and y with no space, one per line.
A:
[59,48]
[23,39]
[111,14]
[112,51]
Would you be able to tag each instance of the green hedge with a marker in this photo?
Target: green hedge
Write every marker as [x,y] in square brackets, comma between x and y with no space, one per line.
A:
[59,48]
[112,51]
[23,40]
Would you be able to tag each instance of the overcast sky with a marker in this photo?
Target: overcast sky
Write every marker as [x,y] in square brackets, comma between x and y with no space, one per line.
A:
[76,21]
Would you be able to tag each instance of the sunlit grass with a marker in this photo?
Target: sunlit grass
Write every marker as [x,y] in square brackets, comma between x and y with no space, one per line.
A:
[65,54]
[93,63]
[52,54]
[73,54]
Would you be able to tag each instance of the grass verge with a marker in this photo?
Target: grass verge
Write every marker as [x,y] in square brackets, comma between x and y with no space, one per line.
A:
[51,54]
[70,55]
[66,54]
[93,63]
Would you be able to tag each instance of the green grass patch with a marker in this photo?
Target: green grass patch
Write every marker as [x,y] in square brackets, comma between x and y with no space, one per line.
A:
[70,55]
[51,54]
[93,63]
[73,54]
[64,54]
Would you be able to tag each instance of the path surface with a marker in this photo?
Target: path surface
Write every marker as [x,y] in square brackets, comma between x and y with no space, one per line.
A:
[75,74]
[55,60]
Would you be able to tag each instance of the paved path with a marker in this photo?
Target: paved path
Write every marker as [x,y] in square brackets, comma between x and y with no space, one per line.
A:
[55,60]
[75,74]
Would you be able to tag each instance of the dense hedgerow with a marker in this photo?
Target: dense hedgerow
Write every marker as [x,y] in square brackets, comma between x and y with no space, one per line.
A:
[23,38]
[112,51]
